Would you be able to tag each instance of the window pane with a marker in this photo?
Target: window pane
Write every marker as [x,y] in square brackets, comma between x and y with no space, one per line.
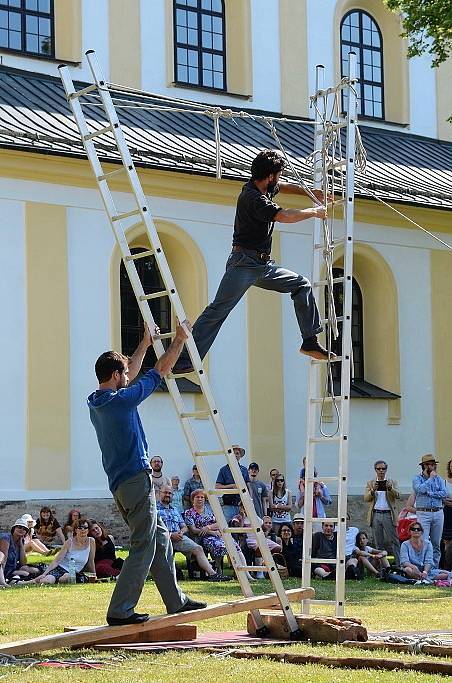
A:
[3,38]
[182,74]
[355,35]
[14,3]
[3,19]
[378,110]
[207,61]
[346,33]
[216,6]
[217,23]
[218,63]
[182,56]
[32,24]
[376,93]
[207,78]
[14,21]
[31,4]
[376,58]
[192,19]
[181,17]
[367,23]
[44,6]
[218,81]
[181,34]
[206,22]
[31,44]
[192,3]
[354,19]
[193,76]
[376,75]
[206,4]
[44,27]
[46,45]
[206,39]
[367,38]
[367,72]
[217,42]
[181,2]
[192,58]
[375,39]
[192,36]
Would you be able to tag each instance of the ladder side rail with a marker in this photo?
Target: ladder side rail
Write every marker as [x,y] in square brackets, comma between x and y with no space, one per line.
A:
[313,371]
[346,335]
[172,386]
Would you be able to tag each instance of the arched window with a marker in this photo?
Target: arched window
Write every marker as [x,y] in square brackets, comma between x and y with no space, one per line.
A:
[199,43]
[357,327]
[131,319]
[27,26]
[360,34]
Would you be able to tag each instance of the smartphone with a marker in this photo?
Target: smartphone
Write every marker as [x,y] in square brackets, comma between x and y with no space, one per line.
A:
[381,485]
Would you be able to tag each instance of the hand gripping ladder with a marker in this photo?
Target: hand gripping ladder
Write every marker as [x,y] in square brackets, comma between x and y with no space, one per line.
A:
[144,218]
[316,380]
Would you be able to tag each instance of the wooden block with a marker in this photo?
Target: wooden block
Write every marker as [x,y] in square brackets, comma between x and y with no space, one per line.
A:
[181,632]
[314,628]
[102,634]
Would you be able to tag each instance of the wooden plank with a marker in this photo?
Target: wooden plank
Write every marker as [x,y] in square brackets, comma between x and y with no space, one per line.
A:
[438,650]
[99,634]
[179,633]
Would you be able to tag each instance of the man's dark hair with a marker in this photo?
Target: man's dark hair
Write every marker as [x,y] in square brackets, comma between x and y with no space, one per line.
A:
[108,363]
[268,162]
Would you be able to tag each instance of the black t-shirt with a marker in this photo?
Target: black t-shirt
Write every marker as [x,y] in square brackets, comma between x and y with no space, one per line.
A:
[254,218]
[323,547]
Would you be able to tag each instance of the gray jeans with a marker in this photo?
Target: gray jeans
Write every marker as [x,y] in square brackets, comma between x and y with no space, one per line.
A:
[382,525]
[242,271]
[150,549]
[432,523]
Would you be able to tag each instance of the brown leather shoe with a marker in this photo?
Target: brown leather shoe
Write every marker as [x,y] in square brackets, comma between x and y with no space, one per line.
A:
[312,348]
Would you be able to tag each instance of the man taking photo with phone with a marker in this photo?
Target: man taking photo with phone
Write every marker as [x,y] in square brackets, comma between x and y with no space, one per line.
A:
[381,494]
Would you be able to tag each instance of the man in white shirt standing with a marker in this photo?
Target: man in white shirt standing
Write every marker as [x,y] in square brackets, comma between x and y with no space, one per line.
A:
[381,494]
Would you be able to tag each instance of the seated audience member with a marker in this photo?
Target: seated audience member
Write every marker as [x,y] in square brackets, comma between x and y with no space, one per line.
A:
[192,484]
[177,529]
[81,548]
[352,570]
[105,560]
[178,494]
[31,543]
[13,561]
[258,490]
[290,551]
[324,546]
[416,557]
[372,559]
[273,542]
[48,529]
[73,516]
[280,503]
[203,526]
[298,530]
[225,480]
[158,478]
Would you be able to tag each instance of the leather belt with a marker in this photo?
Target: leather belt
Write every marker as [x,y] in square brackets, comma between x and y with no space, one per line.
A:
[262,256]
[428,509]
[386,511]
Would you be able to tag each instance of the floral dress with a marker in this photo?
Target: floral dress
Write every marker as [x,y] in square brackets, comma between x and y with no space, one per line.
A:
[211,544]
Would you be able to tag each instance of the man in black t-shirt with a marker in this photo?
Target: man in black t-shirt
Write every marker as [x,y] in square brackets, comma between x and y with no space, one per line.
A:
[250,261]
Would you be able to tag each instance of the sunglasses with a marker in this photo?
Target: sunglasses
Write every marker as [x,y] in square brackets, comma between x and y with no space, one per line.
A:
[279,480]
[83,526]
[381,468]
[416,528]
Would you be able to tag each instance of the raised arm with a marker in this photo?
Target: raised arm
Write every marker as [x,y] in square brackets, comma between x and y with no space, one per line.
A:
[297,215]
[136,360]
[166,362]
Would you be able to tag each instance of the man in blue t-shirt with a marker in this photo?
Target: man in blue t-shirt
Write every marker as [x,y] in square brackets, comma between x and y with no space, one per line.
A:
[122,441]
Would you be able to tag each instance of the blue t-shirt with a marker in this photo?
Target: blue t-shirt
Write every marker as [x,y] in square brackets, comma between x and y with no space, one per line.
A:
[119,430]
[225,477]
[13,558]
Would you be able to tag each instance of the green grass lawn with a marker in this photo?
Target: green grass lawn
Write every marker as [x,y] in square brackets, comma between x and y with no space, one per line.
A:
[34,611]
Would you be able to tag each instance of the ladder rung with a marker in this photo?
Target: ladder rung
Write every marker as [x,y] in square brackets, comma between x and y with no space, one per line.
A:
[252,568]
[195,413]
[334,243]
[320,560]
[324,439]
[323,283]
[85,91]
[141,254]
[321,602]
[336,478]
[165,335]
[155,295]
[327,399]
[121,216]
[222,492]
[201,454]
[319,361]
[110,174]
[322,519]
[339,319]
[98,133]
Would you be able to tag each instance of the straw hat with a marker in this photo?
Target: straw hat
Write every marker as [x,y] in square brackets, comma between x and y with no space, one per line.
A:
[429,457]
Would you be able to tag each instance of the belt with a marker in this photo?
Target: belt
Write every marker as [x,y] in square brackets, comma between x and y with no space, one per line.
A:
[262,256]
[386,511]
[428,509]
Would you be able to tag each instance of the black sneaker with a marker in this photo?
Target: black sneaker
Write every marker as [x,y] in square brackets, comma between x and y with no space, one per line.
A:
[190,605]
[312,348]
[133,619]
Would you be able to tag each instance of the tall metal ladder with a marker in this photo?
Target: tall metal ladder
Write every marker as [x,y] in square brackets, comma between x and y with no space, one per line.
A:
[316,368]
[143,218]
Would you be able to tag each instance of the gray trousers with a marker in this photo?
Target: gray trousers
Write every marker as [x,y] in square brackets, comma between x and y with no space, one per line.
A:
[382,525]
[150,549]
[242,272]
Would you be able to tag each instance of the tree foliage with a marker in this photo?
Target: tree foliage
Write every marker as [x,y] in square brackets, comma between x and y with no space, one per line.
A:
[428,25]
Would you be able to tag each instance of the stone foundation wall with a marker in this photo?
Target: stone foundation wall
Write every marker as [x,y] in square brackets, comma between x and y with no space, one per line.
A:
[104,511]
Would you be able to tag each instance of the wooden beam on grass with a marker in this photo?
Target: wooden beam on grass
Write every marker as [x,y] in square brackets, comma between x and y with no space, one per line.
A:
[102,634]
